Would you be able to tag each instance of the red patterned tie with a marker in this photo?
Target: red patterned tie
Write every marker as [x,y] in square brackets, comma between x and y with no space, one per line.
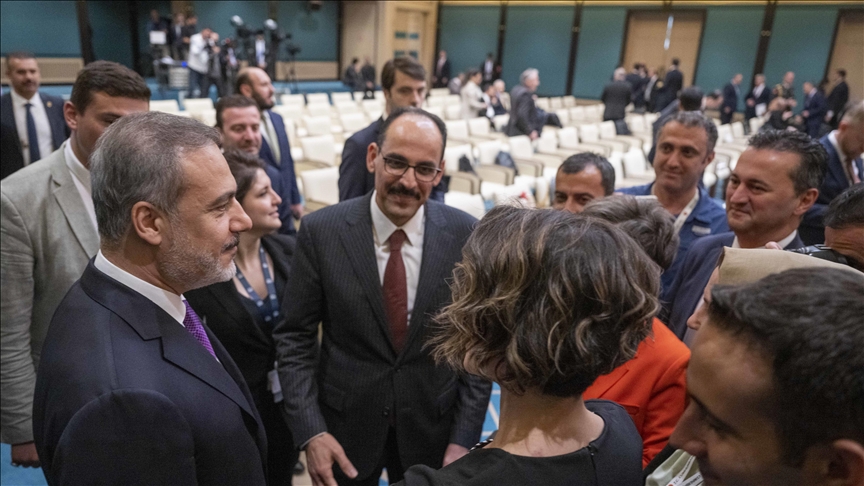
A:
[396,291]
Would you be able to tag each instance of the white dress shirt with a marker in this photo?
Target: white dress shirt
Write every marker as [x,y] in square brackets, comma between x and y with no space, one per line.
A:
[168,301]
[40,117]
[81,178]
[199,58]
[412,249]
[782,243]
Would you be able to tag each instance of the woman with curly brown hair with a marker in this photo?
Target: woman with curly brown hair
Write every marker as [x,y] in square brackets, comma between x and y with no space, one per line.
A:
[544,302]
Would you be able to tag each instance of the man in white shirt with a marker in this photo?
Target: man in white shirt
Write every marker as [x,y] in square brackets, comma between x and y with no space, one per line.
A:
[373,271]
[133,387]
[49,233]
[31,123]
[472,96]
[202,47]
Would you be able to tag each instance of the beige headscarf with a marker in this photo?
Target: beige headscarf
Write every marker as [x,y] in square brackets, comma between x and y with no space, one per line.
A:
[740,266]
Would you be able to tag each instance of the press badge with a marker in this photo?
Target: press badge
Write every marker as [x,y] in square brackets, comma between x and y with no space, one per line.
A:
[274,385]
[701,230]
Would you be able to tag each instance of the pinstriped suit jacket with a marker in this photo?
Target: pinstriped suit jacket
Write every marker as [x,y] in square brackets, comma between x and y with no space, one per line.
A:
[355,382]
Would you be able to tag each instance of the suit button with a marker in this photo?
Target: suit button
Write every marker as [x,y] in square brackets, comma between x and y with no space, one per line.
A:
[386,411]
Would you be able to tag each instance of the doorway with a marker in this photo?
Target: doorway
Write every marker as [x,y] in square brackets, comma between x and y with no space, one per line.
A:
[655,38]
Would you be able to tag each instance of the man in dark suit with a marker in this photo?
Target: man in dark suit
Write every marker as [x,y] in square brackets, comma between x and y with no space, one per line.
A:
[845,168]
[179,49]
[403,81]
[815,109]
[525,118]
[758,98]
[373,271]
[638,80]
[367,75]
[275,149]
[616,96]
[133,387]
[837,99]
[442,71]
[31,126]
[672,85]
[488,69]
[774,183]
[731,95]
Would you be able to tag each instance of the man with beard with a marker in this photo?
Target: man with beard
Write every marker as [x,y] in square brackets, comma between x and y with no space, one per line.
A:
[275,150]
[370,273]
[238,120]
[133,387]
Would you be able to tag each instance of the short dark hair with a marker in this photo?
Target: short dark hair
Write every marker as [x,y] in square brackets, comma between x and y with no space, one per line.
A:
[578,162]
[244,167]
[814,159]
[18,55]
[646,221]
[676,62]
[547,300]
[842,73]
[715,95]
[242,78]
[471,73]
[690,98]
[107,77]
[807,324]
[410,110]
[692,119]
[232,101]
[847,209]
[405,65]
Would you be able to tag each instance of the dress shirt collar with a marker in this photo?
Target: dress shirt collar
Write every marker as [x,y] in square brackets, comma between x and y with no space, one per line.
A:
[383,227]
[783,243]
[19,101]
[832,137]
[76,167]
[168,301]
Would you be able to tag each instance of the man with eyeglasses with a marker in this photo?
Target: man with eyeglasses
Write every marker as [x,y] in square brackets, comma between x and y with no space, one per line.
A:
[373,271]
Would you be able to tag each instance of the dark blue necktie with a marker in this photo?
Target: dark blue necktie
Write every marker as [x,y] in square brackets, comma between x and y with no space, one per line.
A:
[32,139]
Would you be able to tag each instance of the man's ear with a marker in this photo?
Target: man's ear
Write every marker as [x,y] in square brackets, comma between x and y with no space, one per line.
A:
[441,165]
[371,155]
[709,159]
[246,90]
[806,201]
[149,223]
[840,463]
[70,114]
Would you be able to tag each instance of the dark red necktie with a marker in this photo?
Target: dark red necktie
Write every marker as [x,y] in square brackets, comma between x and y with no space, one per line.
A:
[396,292]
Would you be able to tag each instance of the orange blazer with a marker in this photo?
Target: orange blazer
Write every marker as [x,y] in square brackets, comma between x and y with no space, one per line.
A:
[651,387]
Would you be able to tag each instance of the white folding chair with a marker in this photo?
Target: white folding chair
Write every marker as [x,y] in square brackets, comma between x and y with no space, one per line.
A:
[453,112]
[320,150]
[165,106]
[196,105]
[472,204]
[293,99]
[435,92]
[353,122]
[320,125]
[346,107]
[317,98]
[320,187]
[319,109]
[341,97]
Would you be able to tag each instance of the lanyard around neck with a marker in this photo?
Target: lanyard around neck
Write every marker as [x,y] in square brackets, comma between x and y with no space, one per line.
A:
[272,313]
[686,212]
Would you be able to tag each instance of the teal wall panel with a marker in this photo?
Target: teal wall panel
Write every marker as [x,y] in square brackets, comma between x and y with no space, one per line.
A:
[538,37]
[730,41]
[316,33]
[599,51]
[468,34]
[217,15]
[800,42]
[112,37]
[47,29]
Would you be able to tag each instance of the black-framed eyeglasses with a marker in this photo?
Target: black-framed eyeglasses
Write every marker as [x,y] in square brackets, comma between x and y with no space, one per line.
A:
[424,172]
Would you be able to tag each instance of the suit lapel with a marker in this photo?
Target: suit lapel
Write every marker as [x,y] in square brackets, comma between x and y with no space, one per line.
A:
[433,272]
[72,206]
[360,247]
[267,154]
[226,295]
[835,167]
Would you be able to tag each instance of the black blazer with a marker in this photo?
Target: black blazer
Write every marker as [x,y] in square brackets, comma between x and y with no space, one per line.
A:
[837,99]
[125,395]
[354,179]
[442,78]
[10,142]
[616,96]
[355,384]
[523,113]
[674,82]
[763,98]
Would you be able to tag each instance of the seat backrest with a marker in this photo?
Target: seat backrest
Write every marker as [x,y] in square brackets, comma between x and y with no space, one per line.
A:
[725,134]
[452,99]
[379,95]
[436,101]
[317,98]
[293,112]
[372,105]
[352,122]
[439,92]
[568,138]
[193,105]
[479,126]
[488,151]
[563,115]
[341,97]
[345,107]
[457,128]
[636,123]
[543,103]
[634,163]
[737,129]
[318,109]
[453,112]
[650,118]
[520,147]
[556,103]
[577,113]
[207,117]
[501,121]
[547,144]
[436,110]
[589,132]
[755,122]
[472,204]
[453,153]
[293,99]
[321,185]
[318,125]
[321,148]
[607,129]
[568,101]
[165,106]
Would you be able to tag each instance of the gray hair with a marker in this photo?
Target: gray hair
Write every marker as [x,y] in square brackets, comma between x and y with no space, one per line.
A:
[620,74]
[530,72]
[138,158]
[854,113]
[691,119]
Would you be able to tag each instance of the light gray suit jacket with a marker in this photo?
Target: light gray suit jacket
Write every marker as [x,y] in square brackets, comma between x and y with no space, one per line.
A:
[47,240]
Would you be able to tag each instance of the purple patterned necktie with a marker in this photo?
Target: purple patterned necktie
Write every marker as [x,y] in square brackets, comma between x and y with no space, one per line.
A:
[193,325]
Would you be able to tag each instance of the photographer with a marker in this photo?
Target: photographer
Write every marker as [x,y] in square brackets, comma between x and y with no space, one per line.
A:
[202,46]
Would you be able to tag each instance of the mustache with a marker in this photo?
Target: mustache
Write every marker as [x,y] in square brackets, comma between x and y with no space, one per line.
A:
[234,242]
[401,190]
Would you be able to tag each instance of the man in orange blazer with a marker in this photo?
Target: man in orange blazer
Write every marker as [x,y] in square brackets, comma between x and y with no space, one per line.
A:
[651,386]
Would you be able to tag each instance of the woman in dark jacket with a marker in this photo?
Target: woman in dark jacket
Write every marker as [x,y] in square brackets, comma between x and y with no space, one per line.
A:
[242,311]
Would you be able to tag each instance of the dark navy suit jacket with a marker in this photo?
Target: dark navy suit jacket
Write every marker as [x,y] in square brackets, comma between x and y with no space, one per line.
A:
[812,229]
[288,190]
[730,100]
[680,299]
[125,395]
[354,179]
[816,108]
[10,142]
